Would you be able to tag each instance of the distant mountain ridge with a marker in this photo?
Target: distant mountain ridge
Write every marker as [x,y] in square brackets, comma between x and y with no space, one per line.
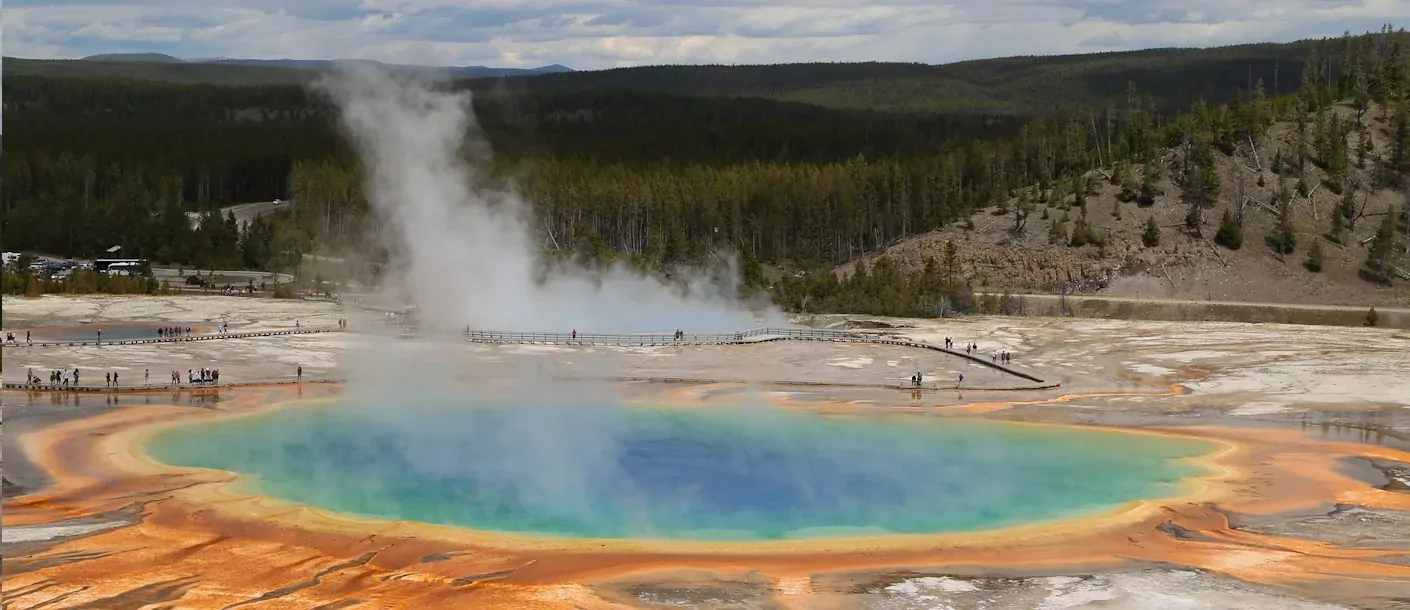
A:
[149,57]
[322,65]
[1164,79]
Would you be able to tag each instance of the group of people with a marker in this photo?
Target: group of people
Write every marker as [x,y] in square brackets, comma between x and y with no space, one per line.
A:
[202,375]
[10,338]
[680,334]
[167,332]
[969,348]
[1002,356]
[57,378]
[342,322]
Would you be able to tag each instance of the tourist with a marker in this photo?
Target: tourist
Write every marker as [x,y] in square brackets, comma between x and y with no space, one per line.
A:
[26,338]
[115,380]
[146,377]
[961,380]
[100,335]
[301,373]
[919,378]
[575,334]
[108,379]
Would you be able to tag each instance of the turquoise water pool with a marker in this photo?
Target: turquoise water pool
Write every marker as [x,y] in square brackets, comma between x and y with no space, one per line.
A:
[705,474]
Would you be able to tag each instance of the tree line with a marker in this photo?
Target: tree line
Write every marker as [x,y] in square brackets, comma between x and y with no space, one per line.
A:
[661,178]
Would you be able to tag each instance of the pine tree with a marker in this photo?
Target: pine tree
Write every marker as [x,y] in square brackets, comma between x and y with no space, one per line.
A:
[1314,257]
[1080,234]
[1021,212]
[1283,240]
[1057,233]
[1149,190]
[1338,226]
[1346,208]
[952,263]
[1151,238]
[1371,318]
[1230,235]
[1379,257]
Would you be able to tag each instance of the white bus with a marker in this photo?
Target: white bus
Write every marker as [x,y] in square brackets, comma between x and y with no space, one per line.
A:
[124,269]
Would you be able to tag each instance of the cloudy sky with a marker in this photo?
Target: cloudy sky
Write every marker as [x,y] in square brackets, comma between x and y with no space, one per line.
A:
[591,34]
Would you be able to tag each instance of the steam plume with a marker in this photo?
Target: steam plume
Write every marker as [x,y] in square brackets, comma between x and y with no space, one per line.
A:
[469,255]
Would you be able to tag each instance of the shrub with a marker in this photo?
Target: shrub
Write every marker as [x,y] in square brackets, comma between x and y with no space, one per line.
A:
[1230,235]
[1314,258]
[1151,238]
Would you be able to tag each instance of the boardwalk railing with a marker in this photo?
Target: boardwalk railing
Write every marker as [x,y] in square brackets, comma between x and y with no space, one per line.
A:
[753,334]
[175,339]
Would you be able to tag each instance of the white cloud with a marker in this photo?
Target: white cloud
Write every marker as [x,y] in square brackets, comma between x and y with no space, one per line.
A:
[590,34]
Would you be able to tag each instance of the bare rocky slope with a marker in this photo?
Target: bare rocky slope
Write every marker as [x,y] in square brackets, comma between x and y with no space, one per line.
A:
[996,258]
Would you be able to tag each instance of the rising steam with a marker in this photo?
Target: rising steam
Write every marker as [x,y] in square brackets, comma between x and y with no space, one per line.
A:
[470,256]
[467,255]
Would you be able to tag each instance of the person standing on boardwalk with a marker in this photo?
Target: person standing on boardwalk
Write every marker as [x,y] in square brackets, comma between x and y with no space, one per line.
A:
[107,379]
[115,382]
[301,373]
[100,335]
[146,376]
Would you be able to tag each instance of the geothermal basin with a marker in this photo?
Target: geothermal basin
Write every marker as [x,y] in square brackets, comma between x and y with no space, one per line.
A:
[1214,466]
[717,473]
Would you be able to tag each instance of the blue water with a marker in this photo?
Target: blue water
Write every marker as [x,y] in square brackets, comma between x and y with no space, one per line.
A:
[718,473]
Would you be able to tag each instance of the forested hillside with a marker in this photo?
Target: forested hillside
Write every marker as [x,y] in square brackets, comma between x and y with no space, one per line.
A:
[662,167]
[1007,86]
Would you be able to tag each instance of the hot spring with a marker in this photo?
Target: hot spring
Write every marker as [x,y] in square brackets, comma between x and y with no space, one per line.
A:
[694,473]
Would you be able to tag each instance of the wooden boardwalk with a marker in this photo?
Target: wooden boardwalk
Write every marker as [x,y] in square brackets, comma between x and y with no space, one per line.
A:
[748,337]
[179,339]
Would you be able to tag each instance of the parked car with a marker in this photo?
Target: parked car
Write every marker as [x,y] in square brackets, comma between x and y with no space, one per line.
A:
[195,280]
